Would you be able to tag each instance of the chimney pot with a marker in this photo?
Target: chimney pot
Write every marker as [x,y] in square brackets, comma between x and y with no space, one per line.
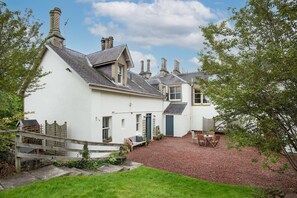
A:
[110,42]
[176,67]
[148,65]
[102,44]
[163,70]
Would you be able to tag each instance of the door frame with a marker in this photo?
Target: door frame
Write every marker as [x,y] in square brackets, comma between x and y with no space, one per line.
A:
[148,126]
[169,116]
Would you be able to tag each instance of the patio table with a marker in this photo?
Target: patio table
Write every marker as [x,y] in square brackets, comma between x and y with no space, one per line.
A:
[207,138]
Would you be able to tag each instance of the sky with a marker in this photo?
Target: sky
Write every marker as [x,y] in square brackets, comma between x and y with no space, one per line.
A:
[152,29]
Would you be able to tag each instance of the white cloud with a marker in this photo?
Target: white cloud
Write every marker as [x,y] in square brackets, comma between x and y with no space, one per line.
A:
[162,22]
[138,56]
[195,62]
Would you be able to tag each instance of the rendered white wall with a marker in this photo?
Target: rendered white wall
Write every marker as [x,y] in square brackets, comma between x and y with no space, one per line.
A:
[198,112]
[122,106]
[65,97]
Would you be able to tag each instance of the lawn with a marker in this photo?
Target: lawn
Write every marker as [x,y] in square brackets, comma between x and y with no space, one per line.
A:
[140,182]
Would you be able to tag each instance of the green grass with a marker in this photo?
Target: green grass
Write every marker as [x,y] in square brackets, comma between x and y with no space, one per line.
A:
[140,182]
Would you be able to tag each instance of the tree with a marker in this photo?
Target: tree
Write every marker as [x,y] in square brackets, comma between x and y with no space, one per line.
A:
[21,47]
[252,63]
[21,44]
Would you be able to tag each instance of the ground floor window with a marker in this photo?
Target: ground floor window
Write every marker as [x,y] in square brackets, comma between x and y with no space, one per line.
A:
[138,116]
[106,130]
[199,97]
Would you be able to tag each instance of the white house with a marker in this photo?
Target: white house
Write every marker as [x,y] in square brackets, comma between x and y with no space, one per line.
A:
[185,105]
[102,100]
[96,94]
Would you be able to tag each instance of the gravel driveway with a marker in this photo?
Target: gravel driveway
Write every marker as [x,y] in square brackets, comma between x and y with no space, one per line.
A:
[217,164]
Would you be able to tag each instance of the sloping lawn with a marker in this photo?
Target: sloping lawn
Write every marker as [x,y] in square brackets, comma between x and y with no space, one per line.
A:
[140,182]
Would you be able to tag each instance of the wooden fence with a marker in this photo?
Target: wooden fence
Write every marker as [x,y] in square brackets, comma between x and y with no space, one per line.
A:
[20,144]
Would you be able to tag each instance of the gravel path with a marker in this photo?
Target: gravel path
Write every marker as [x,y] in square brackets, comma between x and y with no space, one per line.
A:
[217,164]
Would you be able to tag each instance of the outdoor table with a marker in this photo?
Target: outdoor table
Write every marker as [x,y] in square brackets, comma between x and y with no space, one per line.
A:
[207,138]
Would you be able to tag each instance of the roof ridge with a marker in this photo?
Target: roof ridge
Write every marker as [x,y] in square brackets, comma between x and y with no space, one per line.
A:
[106,49]
[189,73]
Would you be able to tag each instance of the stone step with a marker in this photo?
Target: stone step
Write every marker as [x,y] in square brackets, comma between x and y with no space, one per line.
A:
[110,169]
[49,172]
[76,171]
[129,165]
[20,179]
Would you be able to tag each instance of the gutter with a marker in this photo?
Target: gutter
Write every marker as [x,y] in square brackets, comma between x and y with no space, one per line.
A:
[122,91]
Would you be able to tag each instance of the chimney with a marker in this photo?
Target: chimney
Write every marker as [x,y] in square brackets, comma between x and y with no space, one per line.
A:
[110,42]
[142,73]
[148,69]
[163,70]
[106,43]
[176,70]
[102,43]
[54,37]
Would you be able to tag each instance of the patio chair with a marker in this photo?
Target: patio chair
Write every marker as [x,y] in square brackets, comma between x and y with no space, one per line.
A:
[215,140]
[201,140]
[194,137]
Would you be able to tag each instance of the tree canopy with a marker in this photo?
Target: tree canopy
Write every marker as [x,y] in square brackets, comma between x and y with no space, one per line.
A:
[252,63]
[20,43]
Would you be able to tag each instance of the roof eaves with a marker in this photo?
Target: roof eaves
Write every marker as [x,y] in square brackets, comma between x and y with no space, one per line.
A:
[104,63]
[124,91]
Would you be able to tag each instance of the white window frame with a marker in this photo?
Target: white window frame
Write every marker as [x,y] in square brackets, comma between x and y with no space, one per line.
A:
[138,122]
[175,93]
[203,98]
[106,130]
[120,73]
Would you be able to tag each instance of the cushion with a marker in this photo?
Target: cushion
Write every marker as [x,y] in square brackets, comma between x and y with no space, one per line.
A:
[130,141]
[139,139]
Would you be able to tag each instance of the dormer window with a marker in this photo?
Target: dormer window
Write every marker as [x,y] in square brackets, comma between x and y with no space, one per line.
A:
[120,73]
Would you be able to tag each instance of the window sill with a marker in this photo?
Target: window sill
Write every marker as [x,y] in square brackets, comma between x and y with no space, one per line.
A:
[175,100]
[201,104]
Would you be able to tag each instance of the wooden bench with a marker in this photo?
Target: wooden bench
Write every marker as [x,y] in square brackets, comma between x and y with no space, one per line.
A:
[131,142]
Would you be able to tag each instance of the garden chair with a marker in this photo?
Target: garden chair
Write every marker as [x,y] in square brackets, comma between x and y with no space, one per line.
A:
[215,140]
[194,137]
[201,140]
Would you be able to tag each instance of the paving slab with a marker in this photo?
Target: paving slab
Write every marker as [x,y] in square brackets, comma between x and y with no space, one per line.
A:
[130,165]
[110,169]
[76,171]
[49,172]
[20,179]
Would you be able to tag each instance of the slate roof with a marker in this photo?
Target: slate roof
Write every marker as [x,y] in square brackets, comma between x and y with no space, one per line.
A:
[107,55]
[191,77]
[80,63]
[169,79]
[175,108]
[28,123]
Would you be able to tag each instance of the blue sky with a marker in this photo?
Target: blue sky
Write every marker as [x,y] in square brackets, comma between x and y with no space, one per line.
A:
[152,29]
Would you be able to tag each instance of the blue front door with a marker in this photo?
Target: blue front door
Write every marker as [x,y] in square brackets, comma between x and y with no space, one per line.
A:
[148,127]
[169,125]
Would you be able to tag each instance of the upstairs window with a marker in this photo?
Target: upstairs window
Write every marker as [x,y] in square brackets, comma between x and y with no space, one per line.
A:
[199,97]
[175,93]
[120,73]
